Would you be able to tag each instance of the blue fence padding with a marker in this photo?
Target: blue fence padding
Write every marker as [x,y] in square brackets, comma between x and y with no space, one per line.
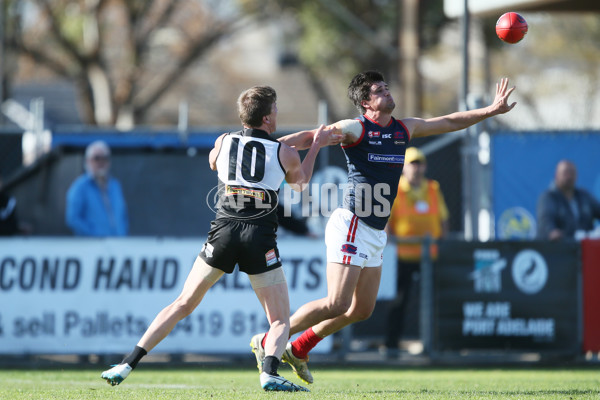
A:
[137,139]
[523,167]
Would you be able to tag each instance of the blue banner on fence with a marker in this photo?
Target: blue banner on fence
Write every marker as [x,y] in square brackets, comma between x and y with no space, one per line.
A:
[523,168]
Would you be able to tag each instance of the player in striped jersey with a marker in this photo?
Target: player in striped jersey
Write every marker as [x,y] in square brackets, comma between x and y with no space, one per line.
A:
[251,166]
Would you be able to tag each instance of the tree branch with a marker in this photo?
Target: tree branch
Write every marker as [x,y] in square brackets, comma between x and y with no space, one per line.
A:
[319,88]
[81,81]
[66,44]
[39,57]
[137,12]
[160,21]
[197,48]
[97,51]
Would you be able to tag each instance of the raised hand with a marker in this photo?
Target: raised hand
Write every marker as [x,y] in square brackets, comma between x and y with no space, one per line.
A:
[500,104]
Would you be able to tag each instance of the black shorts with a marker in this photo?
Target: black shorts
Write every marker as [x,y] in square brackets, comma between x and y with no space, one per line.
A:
[252,247]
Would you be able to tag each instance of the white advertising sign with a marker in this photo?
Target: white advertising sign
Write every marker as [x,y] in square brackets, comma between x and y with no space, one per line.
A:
[80,296]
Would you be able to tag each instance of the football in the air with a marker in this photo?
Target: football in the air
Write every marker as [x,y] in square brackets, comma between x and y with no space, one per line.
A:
[511,27]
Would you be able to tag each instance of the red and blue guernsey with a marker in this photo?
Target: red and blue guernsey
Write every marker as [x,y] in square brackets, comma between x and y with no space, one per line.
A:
[375,164]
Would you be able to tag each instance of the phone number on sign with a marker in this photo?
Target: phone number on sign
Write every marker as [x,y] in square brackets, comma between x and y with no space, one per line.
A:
[216,323]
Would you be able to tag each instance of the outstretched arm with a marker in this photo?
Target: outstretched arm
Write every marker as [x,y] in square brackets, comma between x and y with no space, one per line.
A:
[299,140]
[462,119]
[299,173]
[304,139]
[349,130]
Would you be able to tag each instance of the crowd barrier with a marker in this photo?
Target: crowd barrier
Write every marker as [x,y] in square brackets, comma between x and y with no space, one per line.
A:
[511,297]
[508,296]
[97,296]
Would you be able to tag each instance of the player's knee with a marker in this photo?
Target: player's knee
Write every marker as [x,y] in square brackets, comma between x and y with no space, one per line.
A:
[339,307]
[361,314]
[280,324]
[182,308]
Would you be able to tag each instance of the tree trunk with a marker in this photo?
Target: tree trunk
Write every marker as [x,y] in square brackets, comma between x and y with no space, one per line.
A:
[103,111]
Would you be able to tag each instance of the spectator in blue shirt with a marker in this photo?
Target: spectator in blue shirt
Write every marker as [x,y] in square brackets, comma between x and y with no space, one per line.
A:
[95,202]
[565,209]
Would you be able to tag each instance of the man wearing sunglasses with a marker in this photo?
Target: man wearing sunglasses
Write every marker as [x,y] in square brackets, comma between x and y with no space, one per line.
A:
[95,202]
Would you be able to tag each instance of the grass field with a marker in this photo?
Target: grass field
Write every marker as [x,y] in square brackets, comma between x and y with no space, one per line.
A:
[330,383]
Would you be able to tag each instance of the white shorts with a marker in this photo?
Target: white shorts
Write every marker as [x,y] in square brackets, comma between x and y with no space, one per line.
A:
[350,241]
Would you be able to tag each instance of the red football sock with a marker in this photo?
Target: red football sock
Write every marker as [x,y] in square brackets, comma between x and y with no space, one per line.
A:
[262,343]
[305,343]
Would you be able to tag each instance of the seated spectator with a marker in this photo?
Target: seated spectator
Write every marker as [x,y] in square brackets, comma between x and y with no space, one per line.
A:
[95,202]
[565,209]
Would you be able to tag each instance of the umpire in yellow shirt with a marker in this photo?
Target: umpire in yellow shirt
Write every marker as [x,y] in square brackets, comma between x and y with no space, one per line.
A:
[418,211]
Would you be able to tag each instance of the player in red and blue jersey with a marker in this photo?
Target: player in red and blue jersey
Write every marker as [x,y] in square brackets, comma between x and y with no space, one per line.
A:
[374,145]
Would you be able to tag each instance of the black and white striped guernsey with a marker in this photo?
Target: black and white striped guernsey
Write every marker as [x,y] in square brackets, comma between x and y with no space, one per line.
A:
[250,174]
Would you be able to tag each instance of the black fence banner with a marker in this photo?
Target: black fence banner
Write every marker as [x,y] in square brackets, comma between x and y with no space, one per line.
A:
[521,296]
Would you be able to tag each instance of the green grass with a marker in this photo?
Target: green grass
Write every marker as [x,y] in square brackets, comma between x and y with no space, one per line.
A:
[330,383]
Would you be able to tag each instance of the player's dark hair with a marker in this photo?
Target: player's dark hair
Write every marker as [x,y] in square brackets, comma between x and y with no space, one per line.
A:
[254,104]
[360,87]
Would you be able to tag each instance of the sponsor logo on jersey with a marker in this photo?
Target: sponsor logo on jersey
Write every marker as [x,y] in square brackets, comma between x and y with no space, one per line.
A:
[398,135]
[387,158]
[386,136]
[374,134]
[242,203]
[271,257]
[375,142]
[349,248]
[257,194]
[399,142]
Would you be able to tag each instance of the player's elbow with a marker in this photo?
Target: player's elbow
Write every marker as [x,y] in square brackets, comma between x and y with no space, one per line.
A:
[298,181]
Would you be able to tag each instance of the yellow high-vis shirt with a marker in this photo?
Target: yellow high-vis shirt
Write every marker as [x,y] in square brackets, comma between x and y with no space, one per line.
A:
[417,212]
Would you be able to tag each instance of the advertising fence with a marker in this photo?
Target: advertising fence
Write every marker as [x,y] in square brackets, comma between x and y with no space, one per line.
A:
[507,296]
[98,296]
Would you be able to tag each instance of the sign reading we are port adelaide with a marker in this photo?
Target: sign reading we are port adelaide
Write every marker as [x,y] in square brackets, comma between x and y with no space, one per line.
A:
[507,296]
